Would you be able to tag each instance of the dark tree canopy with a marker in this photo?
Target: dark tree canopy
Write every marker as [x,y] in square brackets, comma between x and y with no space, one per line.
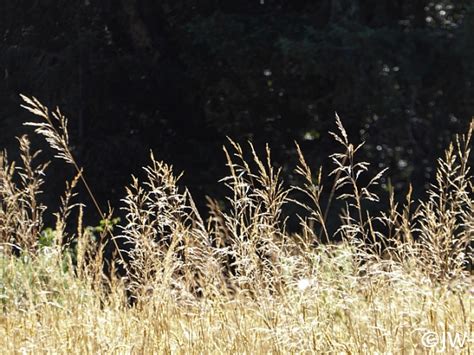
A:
[178,77]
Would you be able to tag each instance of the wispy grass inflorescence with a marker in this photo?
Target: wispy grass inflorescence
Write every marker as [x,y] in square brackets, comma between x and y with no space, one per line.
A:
[21,215]
[255,225]
[445,220]
[312,188]
[53,127]
[167,240]
[349,173]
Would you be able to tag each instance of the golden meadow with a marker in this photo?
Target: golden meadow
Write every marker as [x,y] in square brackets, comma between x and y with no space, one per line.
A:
[237,281]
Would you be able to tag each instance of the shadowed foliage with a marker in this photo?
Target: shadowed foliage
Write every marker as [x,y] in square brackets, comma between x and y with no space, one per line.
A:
[179,76]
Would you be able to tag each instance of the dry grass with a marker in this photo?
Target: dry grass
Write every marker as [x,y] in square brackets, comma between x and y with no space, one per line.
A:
[239,281]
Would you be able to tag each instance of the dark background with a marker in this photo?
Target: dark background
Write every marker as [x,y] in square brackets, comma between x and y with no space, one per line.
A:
[177,77]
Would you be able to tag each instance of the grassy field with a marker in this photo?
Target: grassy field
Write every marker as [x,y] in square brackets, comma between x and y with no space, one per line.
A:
[238,282]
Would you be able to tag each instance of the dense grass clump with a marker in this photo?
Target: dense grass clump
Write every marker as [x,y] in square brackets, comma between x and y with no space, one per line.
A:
[236,281]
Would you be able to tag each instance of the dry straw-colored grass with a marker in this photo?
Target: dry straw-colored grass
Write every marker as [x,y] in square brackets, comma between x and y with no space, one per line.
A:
[238,281]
